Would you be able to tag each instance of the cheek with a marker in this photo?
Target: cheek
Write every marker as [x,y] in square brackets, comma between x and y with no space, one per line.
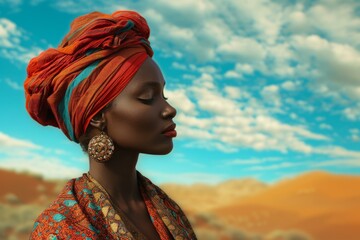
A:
[131,124]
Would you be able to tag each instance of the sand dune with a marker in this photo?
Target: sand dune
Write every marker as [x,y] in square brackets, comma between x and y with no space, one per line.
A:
[26,188]
[325,205]
[213,196]
[316,205]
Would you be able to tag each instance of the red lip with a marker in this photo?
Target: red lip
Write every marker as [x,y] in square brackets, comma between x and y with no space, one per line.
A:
[169,128]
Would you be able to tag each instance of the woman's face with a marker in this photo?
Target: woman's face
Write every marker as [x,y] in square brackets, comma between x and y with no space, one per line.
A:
[139,114]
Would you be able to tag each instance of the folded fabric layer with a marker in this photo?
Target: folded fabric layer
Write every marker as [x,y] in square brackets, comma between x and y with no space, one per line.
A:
[67,86]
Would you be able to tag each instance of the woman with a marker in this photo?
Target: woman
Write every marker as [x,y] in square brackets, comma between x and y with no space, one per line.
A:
[104,91]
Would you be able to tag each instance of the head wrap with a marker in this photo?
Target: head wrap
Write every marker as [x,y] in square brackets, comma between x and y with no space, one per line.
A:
[67,86]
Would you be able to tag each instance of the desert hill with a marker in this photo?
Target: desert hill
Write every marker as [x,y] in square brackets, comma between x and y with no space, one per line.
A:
[323,204]
[212,196]
[26,188]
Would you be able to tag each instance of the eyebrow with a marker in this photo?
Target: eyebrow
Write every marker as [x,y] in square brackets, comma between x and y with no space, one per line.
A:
[152,84]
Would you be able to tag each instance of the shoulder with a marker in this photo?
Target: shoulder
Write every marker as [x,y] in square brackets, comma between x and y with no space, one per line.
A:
[54,226]
[63,219]
[50,225]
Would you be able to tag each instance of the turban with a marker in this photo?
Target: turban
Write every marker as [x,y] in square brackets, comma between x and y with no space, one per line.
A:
[66,86]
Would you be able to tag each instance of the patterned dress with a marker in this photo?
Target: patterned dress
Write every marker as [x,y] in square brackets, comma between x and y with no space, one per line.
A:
[83,210]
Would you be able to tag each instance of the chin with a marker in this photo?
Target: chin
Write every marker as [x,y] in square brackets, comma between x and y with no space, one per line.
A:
[163,150]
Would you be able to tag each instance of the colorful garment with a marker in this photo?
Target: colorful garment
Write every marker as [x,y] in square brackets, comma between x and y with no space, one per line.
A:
[83,210]
[67,86]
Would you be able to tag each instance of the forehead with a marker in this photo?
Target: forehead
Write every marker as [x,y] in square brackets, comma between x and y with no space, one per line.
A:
[148,75]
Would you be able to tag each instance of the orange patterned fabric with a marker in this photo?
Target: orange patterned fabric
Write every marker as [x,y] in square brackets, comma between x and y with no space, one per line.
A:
[67,86]
[83,211]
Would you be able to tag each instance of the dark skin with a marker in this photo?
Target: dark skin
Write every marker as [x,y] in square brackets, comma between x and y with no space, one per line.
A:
[135,125]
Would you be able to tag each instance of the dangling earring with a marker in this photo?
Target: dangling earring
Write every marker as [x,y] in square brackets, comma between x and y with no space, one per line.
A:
[101,148]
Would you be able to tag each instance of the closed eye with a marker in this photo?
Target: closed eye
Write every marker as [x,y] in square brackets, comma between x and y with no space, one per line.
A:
[147,101]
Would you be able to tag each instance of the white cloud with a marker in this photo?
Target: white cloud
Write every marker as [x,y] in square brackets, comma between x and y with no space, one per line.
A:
[234,124]
[201,123]
[232,74]
[355,134]
[21,54]
[236,92]
[205,81]
[13,85]
[262,17]
[7,142]
[337,62]
[330,63]
[271,95]
[10,43]
[274,166]
[193,132]
[244,68]
[336,151]
[242,49]
[177,65]
[188,76]
[23,155]
[293,116]
[239,71]
[184,178]
[9,34]
[290,85]
[279,57]
[211,145]
[207,69]
[214,103]
[352,113]
[301,104]
[50,168]
[245,162]
[253,161]
[298,21]
[13,3]
[354,131]
[325,126]
[351,163]
[336,19]
[355,138]
[338,163]
[181,101]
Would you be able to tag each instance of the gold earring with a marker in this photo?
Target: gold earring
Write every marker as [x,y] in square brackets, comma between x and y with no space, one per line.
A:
[101,148]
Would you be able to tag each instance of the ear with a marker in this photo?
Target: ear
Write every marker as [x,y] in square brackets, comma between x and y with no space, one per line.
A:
[98,121]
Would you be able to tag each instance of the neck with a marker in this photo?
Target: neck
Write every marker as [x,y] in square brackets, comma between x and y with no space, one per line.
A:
[118,177]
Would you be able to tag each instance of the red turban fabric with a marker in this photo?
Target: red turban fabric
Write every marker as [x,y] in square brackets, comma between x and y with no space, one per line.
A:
[67,86]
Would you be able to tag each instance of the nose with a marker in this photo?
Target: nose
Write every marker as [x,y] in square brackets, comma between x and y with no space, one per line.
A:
[169,111]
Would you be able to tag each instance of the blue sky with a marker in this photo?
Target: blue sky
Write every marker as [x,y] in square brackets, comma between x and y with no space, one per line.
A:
[263,89]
